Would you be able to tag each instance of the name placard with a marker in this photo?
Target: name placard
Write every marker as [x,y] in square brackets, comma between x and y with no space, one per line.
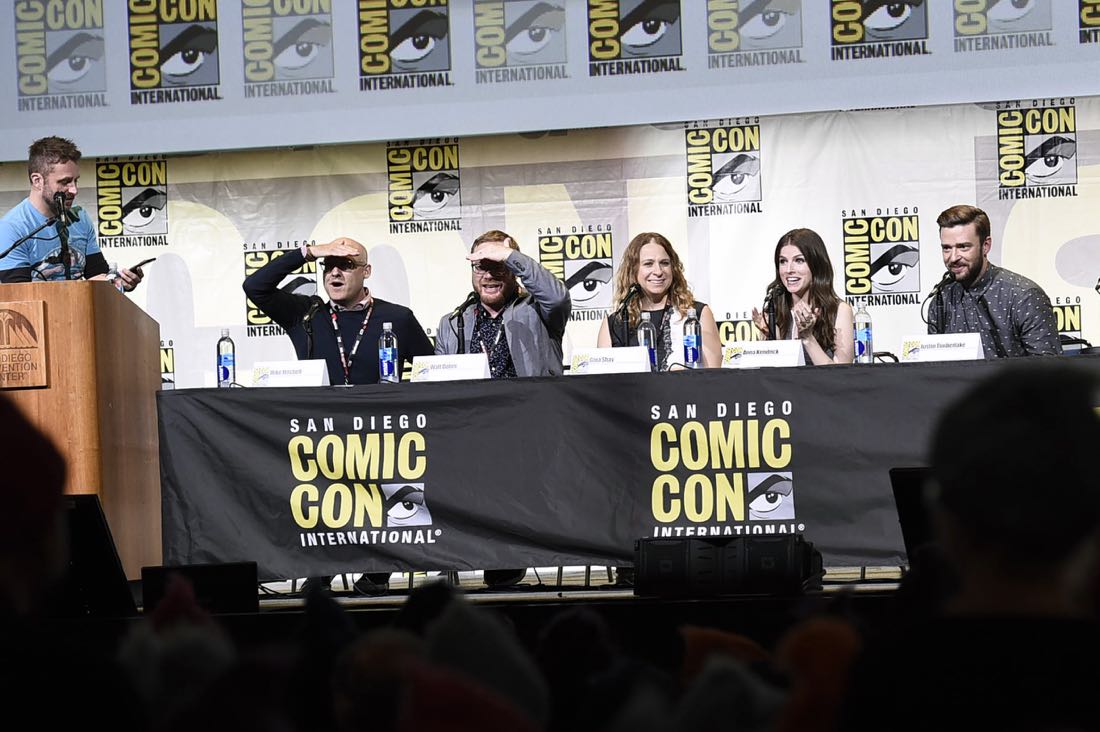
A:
[627,360]
[758,354]
[290,373]
[455,367]
[23,344]
[942,347]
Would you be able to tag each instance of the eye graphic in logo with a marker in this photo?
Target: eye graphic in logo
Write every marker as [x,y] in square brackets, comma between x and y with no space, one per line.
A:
[405,505]
[737,177]
[1016,16]
[894,267]
[420,41]
[16,331]
[189,56]
[302,48]
[144,213]
[589,282]
[771,496]
[771,24]
[76,65]
[437,197]
[650,28]
[894,21]
[1048,163]
[535,35]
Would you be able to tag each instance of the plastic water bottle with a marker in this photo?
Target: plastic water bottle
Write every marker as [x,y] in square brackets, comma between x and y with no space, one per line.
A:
[114,278]
[693,339]
[865,347]
[227,360]
[647,336]
[387,356]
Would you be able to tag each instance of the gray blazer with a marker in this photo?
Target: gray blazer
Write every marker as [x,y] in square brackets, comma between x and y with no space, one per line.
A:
[533,324]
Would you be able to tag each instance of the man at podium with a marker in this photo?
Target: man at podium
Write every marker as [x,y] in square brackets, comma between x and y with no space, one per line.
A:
[45,237]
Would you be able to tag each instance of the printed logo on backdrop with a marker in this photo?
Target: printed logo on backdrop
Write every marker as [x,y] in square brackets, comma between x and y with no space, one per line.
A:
[582,258]
[723,469]
[132,202]
[424,186]
[723,167]
[173,51]
[287,46]
[59,55]
[302,281]
[359,483]
[1089,26]
[1036,149]
[877,29]
[519,40]
[753,33]
[991,25]
[167,365]
[404,44]
[881,255]
[1067,313]
[737,327]
[634,37]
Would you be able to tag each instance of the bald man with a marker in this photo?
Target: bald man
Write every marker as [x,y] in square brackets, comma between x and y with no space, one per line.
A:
[345,330]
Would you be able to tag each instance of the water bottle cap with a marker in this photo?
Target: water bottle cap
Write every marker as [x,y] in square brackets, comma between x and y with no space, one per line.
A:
[225,332]
[691,312]
[387,326]
[645,315]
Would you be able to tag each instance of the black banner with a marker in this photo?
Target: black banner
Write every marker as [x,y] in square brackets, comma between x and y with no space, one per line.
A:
[544,472]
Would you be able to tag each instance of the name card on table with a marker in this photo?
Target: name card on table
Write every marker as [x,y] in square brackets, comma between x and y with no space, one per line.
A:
[455,367]
[627,360]
[759,354]
[290,373]
[942,347]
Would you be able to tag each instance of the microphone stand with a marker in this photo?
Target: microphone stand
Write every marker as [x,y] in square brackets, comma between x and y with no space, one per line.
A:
[63,232]
[769,311]
[48,222]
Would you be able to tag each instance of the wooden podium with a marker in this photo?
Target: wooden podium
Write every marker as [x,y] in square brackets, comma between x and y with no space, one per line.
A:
[97,356]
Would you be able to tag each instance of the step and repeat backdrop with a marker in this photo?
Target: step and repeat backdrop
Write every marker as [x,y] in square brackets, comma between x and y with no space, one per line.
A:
[409,90]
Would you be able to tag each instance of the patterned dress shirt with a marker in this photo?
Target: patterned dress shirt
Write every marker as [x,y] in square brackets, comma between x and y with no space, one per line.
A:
[489,336]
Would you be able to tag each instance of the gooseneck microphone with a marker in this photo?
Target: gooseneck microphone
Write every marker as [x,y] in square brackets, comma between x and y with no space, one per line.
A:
[631,293]
[456,315]
[470,300]
[64,218]
[948,278]
[774,291]
[937,292]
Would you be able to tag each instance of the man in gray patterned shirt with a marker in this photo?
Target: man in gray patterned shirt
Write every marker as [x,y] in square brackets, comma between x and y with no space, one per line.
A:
[1012,313]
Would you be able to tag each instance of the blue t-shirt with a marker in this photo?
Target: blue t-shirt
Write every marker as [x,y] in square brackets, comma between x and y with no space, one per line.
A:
[41,252]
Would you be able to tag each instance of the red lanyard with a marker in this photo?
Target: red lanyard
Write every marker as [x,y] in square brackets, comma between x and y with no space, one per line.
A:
[347,360]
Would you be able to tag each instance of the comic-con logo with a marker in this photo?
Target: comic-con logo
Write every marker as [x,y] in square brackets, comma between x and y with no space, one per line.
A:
[519,40]
[173,50]
[167,365]
[132,202]
[581,257]
[737,330]
[753,33]
[287,47]
[423,186]
[722,473]
[991,25]
[723,169]
[633,37]
[876,29]
[1067,313]
[1089,26]
[302,281]
[1037,149]
[882,256]
[404,44]
[59,50]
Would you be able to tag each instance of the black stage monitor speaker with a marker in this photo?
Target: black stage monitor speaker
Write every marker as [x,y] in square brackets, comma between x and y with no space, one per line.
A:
[219,588]
[743,565]
[95,584]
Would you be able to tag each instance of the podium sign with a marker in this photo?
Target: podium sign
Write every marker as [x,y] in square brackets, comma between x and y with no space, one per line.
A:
[757,354]
[942,347]
[23,345]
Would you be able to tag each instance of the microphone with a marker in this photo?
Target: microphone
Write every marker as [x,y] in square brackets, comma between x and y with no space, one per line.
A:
[315,304]
[948,278]
[470,300]
[631,293]
[774,289]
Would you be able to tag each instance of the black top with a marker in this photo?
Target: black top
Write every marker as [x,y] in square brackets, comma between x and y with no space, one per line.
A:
[660,319]
[287,309]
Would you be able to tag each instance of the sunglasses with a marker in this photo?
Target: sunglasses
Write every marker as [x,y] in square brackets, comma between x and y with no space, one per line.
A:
[341,263]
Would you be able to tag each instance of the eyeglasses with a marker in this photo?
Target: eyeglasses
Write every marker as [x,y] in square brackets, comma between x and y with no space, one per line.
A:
[341,263]
[488,267]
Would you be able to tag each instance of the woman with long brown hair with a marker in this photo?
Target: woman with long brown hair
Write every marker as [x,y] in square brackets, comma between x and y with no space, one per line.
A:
[806,306]
[651,279]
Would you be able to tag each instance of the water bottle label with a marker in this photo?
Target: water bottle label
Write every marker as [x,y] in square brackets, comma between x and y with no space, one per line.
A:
[691,349]
[653,359]
[225,368]
[386,361]
[863,341]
